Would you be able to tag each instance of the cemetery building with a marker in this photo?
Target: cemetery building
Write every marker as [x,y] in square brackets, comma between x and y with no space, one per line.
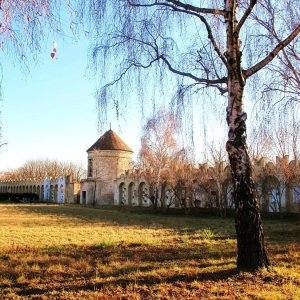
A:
[57,190]
[108,158]
[111,180]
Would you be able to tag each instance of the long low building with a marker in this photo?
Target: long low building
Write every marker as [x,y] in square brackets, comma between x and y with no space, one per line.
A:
[111,180]
[57,190]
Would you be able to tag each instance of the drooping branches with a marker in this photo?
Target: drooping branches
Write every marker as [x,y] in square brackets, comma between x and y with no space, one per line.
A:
[280,46]
[175,4]
[204,46]
[25,23]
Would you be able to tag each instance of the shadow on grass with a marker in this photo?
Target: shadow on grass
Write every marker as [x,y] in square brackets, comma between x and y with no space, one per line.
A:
[149,282]
[89,268]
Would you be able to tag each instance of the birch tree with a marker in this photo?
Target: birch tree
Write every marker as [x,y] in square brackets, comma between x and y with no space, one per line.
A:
[217,44]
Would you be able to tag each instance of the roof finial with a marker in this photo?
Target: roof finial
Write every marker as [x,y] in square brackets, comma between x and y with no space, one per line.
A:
[110,126]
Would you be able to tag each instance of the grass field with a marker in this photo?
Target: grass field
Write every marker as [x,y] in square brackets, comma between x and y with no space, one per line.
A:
[72,252]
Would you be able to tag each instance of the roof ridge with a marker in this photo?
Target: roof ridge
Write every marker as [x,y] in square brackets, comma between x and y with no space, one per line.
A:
[110,141]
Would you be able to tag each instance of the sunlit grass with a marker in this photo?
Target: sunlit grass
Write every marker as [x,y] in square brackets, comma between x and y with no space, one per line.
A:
[73,252]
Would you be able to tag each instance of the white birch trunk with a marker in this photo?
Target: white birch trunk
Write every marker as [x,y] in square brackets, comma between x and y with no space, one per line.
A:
[250,239]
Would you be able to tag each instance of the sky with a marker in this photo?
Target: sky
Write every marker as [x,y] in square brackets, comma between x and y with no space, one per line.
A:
[50,111]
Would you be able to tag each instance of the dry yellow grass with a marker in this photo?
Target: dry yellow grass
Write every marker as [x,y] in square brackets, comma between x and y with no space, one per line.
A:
[72,252]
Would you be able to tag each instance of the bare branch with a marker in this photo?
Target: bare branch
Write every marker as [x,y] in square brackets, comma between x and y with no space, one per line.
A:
[186,74]
[193,12]
[272,54]
[186,7]
[246,15]
[125,71]
[3,144]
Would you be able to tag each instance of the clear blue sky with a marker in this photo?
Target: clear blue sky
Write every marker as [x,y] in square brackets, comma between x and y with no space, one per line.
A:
[51,111]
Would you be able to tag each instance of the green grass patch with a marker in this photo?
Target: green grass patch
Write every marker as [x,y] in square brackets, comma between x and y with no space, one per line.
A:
[73,252]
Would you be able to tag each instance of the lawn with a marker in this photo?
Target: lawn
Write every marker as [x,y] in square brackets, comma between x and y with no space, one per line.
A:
[73,252]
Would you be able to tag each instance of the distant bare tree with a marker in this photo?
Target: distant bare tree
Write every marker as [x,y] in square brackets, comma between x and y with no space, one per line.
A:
[216,156]
[286,133]
[40,169]
[260,141]
[181,178]
[158,149]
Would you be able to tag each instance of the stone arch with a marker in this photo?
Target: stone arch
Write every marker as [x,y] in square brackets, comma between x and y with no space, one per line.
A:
[34,189]
[201,195]
[42,192]
[38,191]
[180,191]
[30,189]
[271,194]
[230,197]
[122,193]
[62,193]
[161,201]
[169,197]
[214,196]
[143,194]
[55,192]
[293,194]
[132,194]
[51,196]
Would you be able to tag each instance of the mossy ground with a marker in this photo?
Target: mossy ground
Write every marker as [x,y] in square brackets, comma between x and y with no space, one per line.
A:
[73,252]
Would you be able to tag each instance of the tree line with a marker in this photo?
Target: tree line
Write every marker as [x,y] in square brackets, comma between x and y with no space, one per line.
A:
[40,169]
[165,163]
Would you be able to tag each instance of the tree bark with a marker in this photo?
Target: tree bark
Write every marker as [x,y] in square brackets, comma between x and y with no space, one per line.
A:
[252,253]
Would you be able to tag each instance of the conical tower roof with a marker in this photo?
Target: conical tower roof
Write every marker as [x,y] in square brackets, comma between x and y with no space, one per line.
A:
[110,141]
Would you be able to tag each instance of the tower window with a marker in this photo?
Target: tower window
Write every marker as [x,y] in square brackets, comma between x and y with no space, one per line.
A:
[90,167]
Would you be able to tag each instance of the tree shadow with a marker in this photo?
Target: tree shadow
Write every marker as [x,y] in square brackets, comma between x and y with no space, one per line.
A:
[109,267]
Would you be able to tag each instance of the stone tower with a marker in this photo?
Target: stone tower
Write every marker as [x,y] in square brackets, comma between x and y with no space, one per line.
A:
[108,158]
